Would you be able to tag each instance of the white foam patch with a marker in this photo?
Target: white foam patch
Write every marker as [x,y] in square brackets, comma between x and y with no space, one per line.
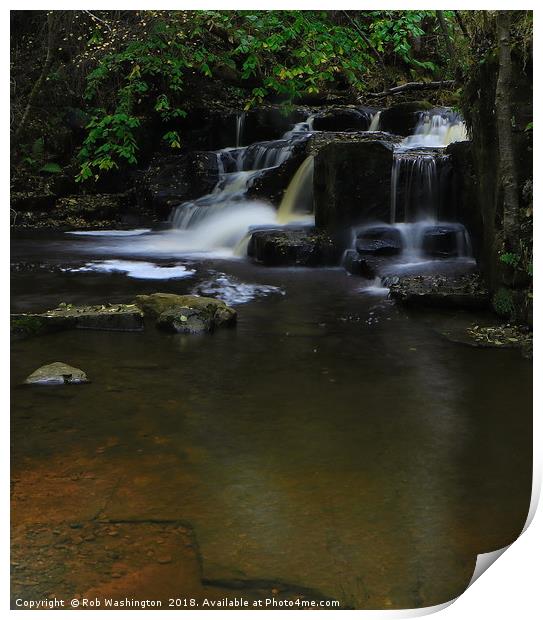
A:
[110,233]
[233,292]
[136,269]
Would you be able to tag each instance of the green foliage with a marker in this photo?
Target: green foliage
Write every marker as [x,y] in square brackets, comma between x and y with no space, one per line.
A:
[146,65]
[51,167]
[504,303]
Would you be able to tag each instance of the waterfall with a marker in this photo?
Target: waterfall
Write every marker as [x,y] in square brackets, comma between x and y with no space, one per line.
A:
[240,124]
[298,198]
[437,128]
[414,178]
[222,218]
[375,122]
[416,236]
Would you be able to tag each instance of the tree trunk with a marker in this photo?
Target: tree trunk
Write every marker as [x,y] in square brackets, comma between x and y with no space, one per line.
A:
[446,36]
[507,177]
[36,89]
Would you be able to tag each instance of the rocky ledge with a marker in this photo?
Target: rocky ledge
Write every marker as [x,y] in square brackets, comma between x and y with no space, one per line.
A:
[458,291]
[109,317]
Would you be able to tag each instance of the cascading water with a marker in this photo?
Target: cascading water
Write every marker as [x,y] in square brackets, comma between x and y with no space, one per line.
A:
[240,124]
[437,129]
[375,122]
[221,219]
[297,202]
[417,235]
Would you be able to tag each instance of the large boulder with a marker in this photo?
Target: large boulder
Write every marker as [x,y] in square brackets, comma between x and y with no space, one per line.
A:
[402,118]
[352,183]
[57,373]
[302,247]
[214,311]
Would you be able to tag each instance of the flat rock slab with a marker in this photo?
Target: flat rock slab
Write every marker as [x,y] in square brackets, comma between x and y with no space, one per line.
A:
[109,317]
[57,373]
[464,291]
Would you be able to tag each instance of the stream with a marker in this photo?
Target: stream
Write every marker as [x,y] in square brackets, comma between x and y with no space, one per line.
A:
[330,441]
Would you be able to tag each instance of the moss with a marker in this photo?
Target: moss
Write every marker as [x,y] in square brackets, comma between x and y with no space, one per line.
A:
[503,303]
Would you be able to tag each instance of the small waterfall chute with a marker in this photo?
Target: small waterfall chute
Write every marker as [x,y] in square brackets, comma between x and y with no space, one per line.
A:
[297,202]
[375,122]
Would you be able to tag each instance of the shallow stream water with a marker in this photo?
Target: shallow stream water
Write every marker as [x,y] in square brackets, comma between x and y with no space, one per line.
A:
[331,441]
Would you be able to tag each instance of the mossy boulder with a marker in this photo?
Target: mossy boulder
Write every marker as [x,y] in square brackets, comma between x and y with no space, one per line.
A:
[57,373]
[214,311]
[182,320]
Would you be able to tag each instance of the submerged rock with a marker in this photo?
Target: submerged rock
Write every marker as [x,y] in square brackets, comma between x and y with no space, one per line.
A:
[168,309]
[57,373]
[458,291]
[302,247]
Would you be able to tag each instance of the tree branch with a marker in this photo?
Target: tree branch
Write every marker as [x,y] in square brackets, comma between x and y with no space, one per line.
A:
[413,86]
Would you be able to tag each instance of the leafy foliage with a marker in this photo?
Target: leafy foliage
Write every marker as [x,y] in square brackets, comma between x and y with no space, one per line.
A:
[143,65]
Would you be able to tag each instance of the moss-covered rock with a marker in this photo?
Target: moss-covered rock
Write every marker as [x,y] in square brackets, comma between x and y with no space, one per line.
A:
[107,317]
[185,321]
[213,310]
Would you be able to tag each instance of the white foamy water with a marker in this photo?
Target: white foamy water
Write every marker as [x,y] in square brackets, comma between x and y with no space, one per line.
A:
[436,129]
[234,292]
[135,269]
[110,233]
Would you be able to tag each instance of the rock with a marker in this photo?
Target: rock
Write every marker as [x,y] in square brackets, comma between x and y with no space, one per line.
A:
[26,325]
[183,320]
[214,311]
[173,179]
[352,183]
[108,317]
[444,240]
[379,240]
[343,119]
[402,118]
[463,201]
[57,373]
[302,247]
[368,266]
[458,291]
